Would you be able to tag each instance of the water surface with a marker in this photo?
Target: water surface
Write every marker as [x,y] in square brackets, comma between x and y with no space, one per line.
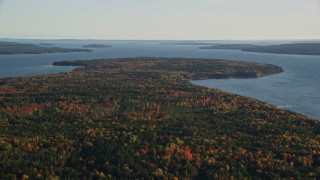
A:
[296,89]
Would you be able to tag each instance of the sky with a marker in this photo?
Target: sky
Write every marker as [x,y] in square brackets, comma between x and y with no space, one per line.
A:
[160,19]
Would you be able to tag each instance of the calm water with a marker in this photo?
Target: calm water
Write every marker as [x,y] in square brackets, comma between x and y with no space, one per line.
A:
[296,89]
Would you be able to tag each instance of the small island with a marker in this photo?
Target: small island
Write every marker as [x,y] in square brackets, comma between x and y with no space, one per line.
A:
[19,48]
[134,118]
[296,48]
[97,46]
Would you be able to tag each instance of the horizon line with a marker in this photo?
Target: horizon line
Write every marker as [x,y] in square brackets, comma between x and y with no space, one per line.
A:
[103,39]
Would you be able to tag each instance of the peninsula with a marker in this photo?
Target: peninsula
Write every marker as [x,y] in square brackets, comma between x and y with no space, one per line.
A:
[140,118]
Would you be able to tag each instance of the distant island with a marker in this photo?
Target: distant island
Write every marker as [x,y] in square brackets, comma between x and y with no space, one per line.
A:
[97,46]
[19,48]
[46,44]
[296,48]
[188,43]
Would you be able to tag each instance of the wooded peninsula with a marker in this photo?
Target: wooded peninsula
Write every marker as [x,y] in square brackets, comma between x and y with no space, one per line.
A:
[140,118]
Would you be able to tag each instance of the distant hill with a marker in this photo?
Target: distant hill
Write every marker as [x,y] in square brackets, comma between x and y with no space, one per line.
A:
[19,48]
[297,48]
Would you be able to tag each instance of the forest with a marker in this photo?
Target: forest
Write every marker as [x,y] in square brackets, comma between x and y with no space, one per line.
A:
[140,118]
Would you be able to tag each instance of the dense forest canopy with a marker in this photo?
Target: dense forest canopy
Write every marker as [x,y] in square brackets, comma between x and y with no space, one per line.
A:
[140,118]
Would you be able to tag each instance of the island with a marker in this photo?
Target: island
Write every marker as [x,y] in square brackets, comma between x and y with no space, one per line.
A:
[19,48]
[188,43]
[46,44]
[97,46]
[295,48]
[133,118]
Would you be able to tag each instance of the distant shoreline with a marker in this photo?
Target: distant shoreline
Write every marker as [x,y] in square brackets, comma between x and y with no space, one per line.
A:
[12,48]
[295,49]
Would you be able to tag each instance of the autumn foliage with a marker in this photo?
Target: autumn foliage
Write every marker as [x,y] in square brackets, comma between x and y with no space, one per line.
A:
[141,118]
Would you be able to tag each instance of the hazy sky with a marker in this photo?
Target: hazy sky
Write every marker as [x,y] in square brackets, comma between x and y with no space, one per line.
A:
[160,19]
